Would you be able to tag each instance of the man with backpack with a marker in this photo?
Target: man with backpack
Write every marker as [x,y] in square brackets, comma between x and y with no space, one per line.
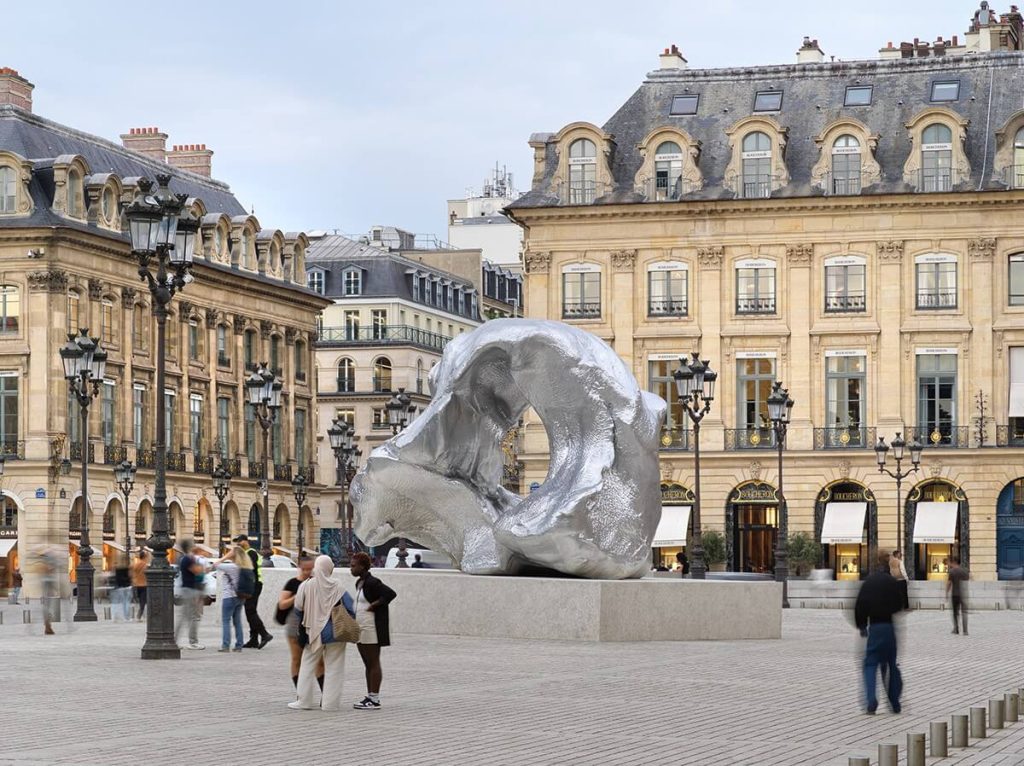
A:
[259,636]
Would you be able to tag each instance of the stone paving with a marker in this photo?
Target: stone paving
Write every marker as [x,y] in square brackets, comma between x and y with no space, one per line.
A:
[84,697]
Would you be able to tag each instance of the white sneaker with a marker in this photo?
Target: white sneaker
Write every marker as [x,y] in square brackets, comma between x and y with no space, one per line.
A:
[196,646]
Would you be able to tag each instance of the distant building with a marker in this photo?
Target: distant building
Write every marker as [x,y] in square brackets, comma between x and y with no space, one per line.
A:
[477,222]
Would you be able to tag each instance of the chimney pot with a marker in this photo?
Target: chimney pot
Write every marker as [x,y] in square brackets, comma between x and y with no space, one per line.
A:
[889,44]
[15,89]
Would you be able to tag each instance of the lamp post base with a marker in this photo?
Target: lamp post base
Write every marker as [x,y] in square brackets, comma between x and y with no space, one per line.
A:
[160,641]
[85,612]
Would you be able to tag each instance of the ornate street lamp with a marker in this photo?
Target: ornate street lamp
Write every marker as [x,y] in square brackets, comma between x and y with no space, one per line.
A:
[346,457]
[299,488]
[264,390]
[221,485]
[780,406]
[163,239]
[84,365]
[124,475]
[898,447]
[695,388]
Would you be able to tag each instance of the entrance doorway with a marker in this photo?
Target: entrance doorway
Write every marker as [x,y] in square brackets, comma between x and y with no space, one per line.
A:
[1010,531]
[752,527]
[937,518]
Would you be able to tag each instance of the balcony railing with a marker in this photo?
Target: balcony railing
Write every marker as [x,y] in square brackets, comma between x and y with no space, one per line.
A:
[755,305]
[346,385]
[749,438]
[936,299]
[666,189]
[382,385]
[223,360]
[145,458]
[675,438]
[113,454]
[845,302]
[276,370]
[300,376]
[936,180]
[839,184]
[1010,436]
[282,472]
[581,309]
[666,308]
[377,336]
[76,452]
[581,192]
[206,464]
[1014,176]
[250,366]
[307,472]
[12,450]
[256,469]
[175,461]
[941,436]
[852,437]
[233,466]
[755,187]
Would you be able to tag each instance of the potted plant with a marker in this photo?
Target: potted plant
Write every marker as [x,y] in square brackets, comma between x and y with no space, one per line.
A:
[803,553]
[713,542]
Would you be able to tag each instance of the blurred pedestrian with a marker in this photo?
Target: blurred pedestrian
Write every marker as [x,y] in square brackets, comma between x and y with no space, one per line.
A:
[899,571]
[371,608]
[878,601]
[315,599]
[191,595]
[48,576]
[231,565]
[16,583]
[139,566]
[287,616]
[684,564]
[259,636]
[121,595]
[417,562]
[266,560]
[956,589]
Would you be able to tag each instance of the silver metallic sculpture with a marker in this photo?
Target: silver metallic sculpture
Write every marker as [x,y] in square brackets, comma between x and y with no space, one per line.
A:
[439,481]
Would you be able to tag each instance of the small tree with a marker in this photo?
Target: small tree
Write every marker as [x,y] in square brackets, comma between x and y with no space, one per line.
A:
[803,552]
[713,542]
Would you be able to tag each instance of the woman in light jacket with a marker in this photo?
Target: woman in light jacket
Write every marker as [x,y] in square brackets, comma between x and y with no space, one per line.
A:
[231,565]
[314,601]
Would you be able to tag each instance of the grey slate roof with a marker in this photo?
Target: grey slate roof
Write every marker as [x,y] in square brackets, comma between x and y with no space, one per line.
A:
[813,98]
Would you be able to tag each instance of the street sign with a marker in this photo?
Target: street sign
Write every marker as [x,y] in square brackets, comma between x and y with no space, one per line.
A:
[40,494]
[534,486]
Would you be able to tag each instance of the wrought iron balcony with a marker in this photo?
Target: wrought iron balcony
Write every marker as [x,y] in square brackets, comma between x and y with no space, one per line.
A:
[145,458]
[112,454]
[852,437]
[937,299]
[1014,176]
[12,450]
[392,335]
[581,309]
[755,305]
[675,438]
[223,360]
[175,461]
[844,183]
[300,376]
[233,466]
[755,186]
[845,302]
[307,472]
[941,436]
[346,385]
[666,189]
[936,180]
[205,464]
[76,451]
[282,472]
[256,469]
[382,385]
[1010,436]
[749,438]
[672,308]
[250,366]
[581,192]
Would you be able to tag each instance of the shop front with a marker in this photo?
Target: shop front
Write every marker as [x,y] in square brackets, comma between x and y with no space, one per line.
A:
[937,513]
[674,527]
[1010,531]
[8,541]
[751,527]
[846,525]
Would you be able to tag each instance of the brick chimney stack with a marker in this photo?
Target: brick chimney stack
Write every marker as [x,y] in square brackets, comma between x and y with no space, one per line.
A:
[15,89]
[193,157]
[671,58]
[148,141]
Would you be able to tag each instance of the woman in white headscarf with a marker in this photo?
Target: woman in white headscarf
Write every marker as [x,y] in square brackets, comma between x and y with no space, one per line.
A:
[314,601]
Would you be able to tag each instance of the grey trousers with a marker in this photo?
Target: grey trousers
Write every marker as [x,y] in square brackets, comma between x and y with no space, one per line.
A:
[191,613]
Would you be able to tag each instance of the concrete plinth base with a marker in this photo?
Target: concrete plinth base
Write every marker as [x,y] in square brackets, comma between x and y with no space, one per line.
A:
[457,604]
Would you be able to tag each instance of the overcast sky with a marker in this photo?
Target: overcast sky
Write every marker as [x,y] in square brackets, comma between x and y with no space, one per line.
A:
[340,115]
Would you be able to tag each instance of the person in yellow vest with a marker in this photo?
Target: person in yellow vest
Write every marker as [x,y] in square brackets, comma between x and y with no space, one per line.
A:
[259,636]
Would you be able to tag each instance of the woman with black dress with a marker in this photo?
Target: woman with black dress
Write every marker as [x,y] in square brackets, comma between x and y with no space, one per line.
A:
[372,599]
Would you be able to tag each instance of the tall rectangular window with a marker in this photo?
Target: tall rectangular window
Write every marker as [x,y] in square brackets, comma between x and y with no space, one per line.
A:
[193,341]
[10,309]
[351,325]
[581,295]
[72,311]
[755,289]
[353,282]
[169,435]
[936,281]
[379,321]
[224,426]
[107,321]
[936,399]
[1016,280]
[195,423]
[9,412]
[250,434]
[249,349]
[275,355]
[108,412]
[74,420]
[278,449]
[674,433]
[223,358]
[300,437]
[667,290]
[845,287]
[140,328]
[754,385]
[315,281]
[139,416]
[844,400]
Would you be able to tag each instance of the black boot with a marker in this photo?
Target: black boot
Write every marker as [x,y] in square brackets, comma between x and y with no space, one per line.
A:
[320,681]
[295,681]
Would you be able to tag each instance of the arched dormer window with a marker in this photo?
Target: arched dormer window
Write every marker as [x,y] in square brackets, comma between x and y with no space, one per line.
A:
[669,168]
[346,376]
[109,206]
[582,171]
[382,374]
[938,161]
[936,158]
[15,174]
[757,165]
[668,171]
[1017,176]
[8,190]
[74,192]
[845,165]
[246,246]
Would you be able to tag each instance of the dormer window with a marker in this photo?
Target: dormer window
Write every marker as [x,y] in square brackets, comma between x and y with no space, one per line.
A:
[8,190]
[109,205]
[944,92]
[757,165]
[668,171]
[246,249]
[315,281]
[936,158]
[74,194]
[582,171]
[768,101]
[684,104]
[353,282]
[845,165]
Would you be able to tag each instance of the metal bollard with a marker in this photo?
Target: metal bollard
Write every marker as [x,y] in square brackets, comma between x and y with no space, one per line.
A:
[888,755]
[995,714]
[26,616]
[959,731]
[1012,704]
[938,745]
[858,760]
[915,749]
[978,730]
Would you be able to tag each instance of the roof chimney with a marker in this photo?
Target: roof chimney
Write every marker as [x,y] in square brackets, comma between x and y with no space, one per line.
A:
[671,58]
[192,157]
[810,52]
[15,89]
[148,141]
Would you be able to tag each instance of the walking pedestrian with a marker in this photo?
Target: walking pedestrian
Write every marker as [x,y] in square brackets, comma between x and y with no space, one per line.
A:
[684,564]
[287,616]
[121,595]
[878,601]
[139,566]
[48,575]
[417,562]
[17,581]
[259,636]
[231,566]
[899,571]
[956,588]
[315,599]
[191,595]
[371,608]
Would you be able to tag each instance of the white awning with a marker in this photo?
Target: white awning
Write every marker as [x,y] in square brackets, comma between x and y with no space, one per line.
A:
[674,524]
[843,523]
[115,545]
[935,522]
[6,543]
[1016,382]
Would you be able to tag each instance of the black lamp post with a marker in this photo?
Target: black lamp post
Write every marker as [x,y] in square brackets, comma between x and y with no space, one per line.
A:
[163,239]
[346,458]
[780,406]
[898,450]
[695,387]
[299,488]
[124,474]
[84,365]
[265,399]
[221,485]
[400,408]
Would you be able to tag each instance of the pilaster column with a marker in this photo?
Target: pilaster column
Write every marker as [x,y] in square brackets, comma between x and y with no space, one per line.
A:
[889,279]
[799,260]
[708,289]
[621,302]
[979,364]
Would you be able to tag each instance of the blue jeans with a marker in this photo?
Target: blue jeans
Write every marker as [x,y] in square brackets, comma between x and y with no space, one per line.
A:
[230,612]
[121,601]
[880,654]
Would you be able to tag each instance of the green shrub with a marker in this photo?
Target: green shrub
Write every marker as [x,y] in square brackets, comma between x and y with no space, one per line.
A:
[803,552]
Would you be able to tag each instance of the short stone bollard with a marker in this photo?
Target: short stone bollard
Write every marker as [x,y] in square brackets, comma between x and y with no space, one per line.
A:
[888,755]
[858,760]
[978,730]
[915,749]
[937,743]
[1012,704]
[26,616]
[106,613]
[959,731]
[995,714]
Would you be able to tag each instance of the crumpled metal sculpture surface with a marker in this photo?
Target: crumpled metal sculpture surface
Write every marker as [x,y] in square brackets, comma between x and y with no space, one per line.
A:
[439,481]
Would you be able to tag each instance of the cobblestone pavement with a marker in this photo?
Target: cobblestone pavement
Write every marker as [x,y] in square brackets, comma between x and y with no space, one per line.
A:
[84,697]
